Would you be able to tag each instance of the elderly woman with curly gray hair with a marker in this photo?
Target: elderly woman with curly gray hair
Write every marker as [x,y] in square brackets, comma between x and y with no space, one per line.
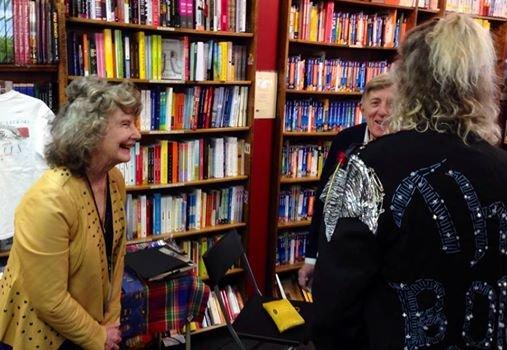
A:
[62,283]
[416,223]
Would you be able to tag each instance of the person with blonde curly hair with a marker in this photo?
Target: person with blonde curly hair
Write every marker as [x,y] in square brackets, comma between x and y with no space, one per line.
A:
[62,283]
[416,221]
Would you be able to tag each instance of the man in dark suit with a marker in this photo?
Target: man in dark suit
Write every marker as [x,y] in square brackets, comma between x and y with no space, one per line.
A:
[375,107]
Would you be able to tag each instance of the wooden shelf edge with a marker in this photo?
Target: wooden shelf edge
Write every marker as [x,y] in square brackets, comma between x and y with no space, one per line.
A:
[288,267]
[376,4]
[330,93]
[339,46]
[289,180]
[189,233]
[174,82]
[294,224]
[41,68]
[193,32]
[425,10]
[197,131]
[209,328]
[185,184]
[4,254]
[489,18]
[231,272]
[310,134]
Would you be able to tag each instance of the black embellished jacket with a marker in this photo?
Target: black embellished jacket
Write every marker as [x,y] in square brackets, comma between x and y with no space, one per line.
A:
[416,256]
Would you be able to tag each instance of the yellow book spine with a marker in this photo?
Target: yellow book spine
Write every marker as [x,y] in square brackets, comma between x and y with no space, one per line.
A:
[204,247]
[314,21]
[223,60]
[163,161]
[108,53]
[142,56]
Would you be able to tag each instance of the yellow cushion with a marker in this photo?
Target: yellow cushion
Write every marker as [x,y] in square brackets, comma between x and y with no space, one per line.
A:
[283,314]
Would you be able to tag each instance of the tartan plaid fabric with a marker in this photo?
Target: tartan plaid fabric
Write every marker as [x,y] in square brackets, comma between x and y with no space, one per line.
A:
[174,301]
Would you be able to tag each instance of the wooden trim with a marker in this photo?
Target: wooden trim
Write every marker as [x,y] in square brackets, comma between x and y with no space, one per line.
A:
[339,46]
[489,18]
[297,180]
[293,224]
[188,132]
[360,3]
[186,184]
[310,134]
[32,68]
[288,267]
[176,31]
[189,233]
[173,82]
[323,93]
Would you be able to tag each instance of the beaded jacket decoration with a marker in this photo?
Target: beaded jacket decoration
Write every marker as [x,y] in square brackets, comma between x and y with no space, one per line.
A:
[353,191]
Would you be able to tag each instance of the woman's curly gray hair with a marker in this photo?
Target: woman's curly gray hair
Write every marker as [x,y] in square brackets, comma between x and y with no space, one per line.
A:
[82,122]
[446,80]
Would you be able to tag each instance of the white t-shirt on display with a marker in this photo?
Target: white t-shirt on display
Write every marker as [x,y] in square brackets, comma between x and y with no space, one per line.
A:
[24,131]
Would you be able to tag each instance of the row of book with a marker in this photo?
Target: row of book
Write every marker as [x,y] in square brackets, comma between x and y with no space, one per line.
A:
[321,115]
[122,54]
[496,8]
[167,162]
[198,107]
[291,247]
[303,160]
[296,204]
[45,91]
[319,21]
[159,213]
[28,32]
[212,15]
[289,288]
[334,74]
[233,303]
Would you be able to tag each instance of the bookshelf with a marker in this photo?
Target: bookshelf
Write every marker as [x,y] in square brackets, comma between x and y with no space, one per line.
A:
[30,49]
[319,47]
[199,143]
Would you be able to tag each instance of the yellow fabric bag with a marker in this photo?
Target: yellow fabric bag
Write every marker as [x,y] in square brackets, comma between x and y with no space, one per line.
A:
[283,314]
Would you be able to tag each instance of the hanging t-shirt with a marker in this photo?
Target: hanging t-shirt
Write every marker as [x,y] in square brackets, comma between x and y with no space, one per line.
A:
[24,131]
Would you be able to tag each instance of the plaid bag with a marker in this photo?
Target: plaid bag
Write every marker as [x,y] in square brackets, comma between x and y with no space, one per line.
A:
[173,302]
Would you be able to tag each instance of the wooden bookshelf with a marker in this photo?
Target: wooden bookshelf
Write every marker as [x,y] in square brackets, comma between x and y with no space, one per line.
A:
[300,46]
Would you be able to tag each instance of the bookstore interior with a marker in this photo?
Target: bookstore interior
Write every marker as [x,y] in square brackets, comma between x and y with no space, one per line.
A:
[241,100]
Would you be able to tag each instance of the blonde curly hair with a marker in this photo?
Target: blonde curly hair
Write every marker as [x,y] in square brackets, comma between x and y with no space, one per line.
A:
[446,81]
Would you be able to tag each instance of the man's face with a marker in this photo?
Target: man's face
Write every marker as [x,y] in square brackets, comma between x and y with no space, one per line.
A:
[375,107]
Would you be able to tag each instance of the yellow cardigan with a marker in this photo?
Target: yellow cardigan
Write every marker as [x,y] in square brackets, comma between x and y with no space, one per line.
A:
[56,284]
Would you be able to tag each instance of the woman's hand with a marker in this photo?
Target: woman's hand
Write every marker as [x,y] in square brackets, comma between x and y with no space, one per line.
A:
[113,337]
